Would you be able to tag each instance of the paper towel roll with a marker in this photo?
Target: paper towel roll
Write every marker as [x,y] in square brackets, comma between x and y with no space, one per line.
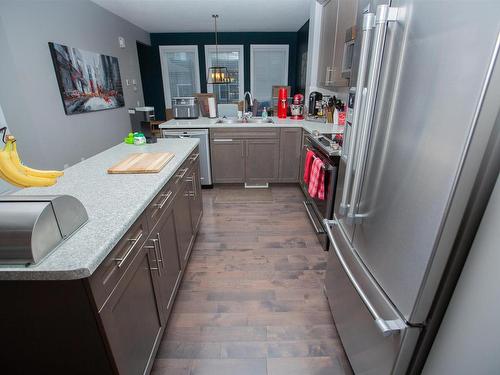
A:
[212,112]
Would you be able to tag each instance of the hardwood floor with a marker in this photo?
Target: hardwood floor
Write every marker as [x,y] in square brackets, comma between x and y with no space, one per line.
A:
[251,301]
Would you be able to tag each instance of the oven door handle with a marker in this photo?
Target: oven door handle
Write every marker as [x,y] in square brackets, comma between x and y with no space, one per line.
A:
[326,166]
[316,229]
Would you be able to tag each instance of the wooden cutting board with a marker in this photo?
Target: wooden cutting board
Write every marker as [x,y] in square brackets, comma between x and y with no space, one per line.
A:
[147,162]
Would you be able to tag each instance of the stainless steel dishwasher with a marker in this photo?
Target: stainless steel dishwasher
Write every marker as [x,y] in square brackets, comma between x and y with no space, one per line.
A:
[202,135]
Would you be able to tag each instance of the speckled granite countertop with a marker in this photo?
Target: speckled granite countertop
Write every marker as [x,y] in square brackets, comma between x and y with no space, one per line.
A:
[113,203]
[205,122]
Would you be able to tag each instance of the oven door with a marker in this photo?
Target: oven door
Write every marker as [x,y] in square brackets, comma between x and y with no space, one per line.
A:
[319,209]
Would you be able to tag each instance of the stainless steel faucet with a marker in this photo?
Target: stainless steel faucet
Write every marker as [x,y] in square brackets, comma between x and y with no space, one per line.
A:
[245,113]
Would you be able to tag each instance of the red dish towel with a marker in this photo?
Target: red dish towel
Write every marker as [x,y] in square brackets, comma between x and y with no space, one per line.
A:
[307,165]
[317,180]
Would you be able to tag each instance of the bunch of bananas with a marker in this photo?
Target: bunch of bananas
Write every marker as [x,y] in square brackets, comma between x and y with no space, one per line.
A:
[17,174]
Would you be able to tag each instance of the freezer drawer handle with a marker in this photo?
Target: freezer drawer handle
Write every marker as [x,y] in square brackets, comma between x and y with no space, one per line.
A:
[387,327]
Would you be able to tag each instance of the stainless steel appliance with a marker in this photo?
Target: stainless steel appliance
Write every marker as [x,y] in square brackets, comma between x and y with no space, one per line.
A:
[140,118]
[185,107]
[348,54]
[415,173]
[140,115]
[204,146]
[32,226]
[325,148]
[315,102]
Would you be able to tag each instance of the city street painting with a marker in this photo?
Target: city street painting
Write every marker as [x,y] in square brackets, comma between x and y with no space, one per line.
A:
[88,81]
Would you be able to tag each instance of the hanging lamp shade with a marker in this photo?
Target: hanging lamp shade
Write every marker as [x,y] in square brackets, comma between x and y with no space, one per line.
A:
[217,74]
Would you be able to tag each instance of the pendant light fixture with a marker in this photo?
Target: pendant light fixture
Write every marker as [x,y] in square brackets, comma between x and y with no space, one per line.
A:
[217,74]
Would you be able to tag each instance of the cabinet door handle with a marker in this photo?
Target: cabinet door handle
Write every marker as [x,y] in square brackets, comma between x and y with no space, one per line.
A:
[192,179]
[132,247]
[160,250]
[167,196]
[157,256]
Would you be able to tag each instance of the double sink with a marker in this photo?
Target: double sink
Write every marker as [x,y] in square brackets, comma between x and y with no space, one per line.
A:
[252,120]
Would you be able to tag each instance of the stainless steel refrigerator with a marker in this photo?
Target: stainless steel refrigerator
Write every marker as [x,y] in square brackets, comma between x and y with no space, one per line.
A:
[419,162]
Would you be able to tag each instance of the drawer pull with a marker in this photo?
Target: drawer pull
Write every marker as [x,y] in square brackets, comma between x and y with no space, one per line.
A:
[181,175]
[222,140]
[132,247]
[194,157]
[167,196]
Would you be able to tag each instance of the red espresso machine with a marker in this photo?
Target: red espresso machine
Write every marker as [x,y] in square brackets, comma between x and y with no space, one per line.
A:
[297,107]
[282,102]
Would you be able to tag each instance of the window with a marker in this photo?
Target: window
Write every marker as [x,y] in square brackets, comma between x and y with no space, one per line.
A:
[180,71]
[231,57]
[268,68]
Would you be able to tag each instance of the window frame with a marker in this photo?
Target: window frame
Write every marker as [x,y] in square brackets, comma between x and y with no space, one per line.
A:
[267,47]
[241,64]
[164,69]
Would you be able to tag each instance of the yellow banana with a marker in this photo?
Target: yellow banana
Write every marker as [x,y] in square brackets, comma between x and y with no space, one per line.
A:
[14,156]
[17,177]
[5,178]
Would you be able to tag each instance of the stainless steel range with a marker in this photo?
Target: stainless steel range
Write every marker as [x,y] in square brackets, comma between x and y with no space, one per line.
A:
[328,150]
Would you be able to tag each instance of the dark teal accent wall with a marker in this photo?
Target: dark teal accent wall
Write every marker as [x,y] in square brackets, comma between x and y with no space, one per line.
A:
[153,90]
[301,66]
[201,39]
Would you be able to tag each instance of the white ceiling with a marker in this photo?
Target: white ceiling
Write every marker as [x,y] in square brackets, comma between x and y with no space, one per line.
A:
[157,16]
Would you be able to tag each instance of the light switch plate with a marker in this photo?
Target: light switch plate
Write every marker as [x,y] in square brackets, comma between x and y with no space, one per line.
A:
[121,42]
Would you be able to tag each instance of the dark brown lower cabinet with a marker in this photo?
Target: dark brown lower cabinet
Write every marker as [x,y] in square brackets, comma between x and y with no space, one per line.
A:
[183,222]
[164,242]
[132,317]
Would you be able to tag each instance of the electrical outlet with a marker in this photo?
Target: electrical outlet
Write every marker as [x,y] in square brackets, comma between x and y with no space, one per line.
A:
[134,82]
[127,82]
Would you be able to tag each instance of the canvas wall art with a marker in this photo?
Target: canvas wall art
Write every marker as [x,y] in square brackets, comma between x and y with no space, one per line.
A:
[88,81]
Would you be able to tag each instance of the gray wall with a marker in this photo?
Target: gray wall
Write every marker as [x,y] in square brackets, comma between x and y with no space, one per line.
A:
[468,341]
[29,94]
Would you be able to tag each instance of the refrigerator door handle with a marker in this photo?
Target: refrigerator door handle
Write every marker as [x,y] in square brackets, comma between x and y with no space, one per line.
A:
[386,327]
[368,25]
[384,15]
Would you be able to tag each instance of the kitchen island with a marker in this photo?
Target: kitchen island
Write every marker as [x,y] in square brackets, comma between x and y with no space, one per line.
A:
[108,290]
